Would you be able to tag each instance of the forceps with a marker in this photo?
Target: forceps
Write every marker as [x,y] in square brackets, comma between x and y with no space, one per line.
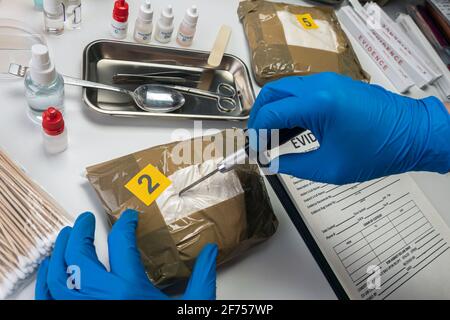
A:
[225,95]
[239,156]
[170,77]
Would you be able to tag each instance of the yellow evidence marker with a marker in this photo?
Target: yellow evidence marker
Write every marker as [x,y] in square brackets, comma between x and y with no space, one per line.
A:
[148,184]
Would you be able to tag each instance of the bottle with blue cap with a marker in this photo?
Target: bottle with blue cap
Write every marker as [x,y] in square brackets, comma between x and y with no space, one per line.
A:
[38,5]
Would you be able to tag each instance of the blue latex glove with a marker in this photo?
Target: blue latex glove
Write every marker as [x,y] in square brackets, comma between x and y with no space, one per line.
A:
[364,131]
[127,278]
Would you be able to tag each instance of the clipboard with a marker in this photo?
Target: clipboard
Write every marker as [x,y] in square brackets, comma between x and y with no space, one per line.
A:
[304,232]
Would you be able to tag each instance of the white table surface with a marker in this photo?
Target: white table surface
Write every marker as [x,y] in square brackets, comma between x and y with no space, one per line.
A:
[281,268]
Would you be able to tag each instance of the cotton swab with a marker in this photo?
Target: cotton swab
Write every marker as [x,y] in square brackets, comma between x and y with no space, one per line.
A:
[29,222]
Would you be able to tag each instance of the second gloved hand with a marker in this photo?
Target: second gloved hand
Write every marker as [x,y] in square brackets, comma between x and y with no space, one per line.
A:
[74,252]
[364,131]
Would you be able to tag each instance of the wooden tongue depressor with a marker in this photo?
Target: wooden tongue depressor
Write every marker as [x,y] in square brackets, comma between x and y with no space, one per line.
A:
[215,57]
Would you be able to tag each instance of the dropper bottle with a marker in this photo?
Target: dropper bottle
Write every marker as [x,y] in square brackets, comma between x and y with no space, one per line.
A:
[119,22]
[187,27]
[54,131]
[144,23]
[164,27]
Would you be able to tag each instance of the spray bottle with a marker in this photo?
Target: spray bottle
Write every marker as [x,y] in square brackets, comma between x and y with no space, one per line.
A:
[43,85]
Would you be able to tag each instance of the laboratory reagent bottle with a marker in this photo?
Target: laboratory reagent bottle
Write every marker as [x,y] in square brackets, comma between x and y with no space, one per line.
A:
[187,27]
[164,26]
[54,131]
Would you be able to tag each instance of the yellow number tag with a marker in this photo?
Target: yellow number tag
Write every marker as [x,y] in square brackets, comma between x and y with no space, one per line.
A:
[307,21]
[148,184]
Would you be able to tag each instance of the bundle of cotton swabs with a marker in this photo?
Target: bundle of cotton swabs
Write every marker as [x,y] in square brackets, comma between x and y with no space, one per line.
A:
[29,223]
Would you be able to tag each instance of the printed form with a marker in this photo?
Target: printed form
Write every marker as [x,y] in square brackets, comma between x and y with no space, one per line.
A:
[382,238]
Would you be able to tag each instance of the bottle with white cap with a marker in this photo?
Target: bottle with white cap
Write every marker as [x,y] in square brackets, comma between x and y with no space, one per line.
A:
[144,23]
[187,27]
[43,85]
[164,27]
[53,16]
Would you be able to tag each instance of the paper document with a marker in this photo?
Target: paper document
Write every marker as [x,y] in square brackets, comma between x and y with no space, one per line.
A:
[382,238]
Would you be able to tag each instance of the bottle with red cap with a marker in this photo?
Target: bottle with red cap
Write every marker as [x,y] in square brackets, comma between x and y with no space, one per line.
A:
[54,131]
[119,22]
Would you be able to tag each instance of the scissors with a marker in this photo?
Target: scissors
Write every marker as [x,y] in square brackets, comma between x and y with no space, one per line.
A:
[225,95]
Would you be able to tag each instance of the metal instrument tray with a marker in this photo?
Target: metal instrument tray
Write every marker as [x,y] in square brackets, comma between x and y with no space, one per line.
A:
[102,59]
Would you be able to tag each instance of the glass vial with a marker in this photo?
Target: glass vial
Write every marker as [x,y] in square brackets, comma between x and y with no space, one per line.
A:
[144,23]
[44,87]
[53,16]
[73,14]
[187,27]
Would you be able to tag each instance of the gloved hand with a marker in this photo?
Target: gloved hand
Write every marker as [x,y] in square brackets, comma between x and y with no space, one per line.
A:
[127,278]
[364,131]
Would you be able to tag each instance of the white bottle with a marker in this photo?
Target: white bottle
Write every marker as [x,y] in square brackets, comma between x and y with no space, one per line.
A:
[144,23]
[119,21]
[53,16]
[54,131]
[187,27]
[164,27]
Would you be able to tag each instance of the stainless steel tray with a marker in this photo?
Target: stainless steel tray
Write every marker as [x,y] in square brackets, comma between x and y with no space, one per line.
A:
[104,58]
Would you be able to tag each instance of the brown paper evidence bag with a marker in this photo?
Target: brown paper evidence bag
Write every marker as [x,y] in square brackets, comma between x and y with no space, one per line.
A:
[169,251]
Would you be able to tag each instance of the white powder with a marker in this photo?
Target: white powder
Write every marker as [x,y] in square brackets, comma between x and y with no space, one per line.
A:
[322,38]
[216,189]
